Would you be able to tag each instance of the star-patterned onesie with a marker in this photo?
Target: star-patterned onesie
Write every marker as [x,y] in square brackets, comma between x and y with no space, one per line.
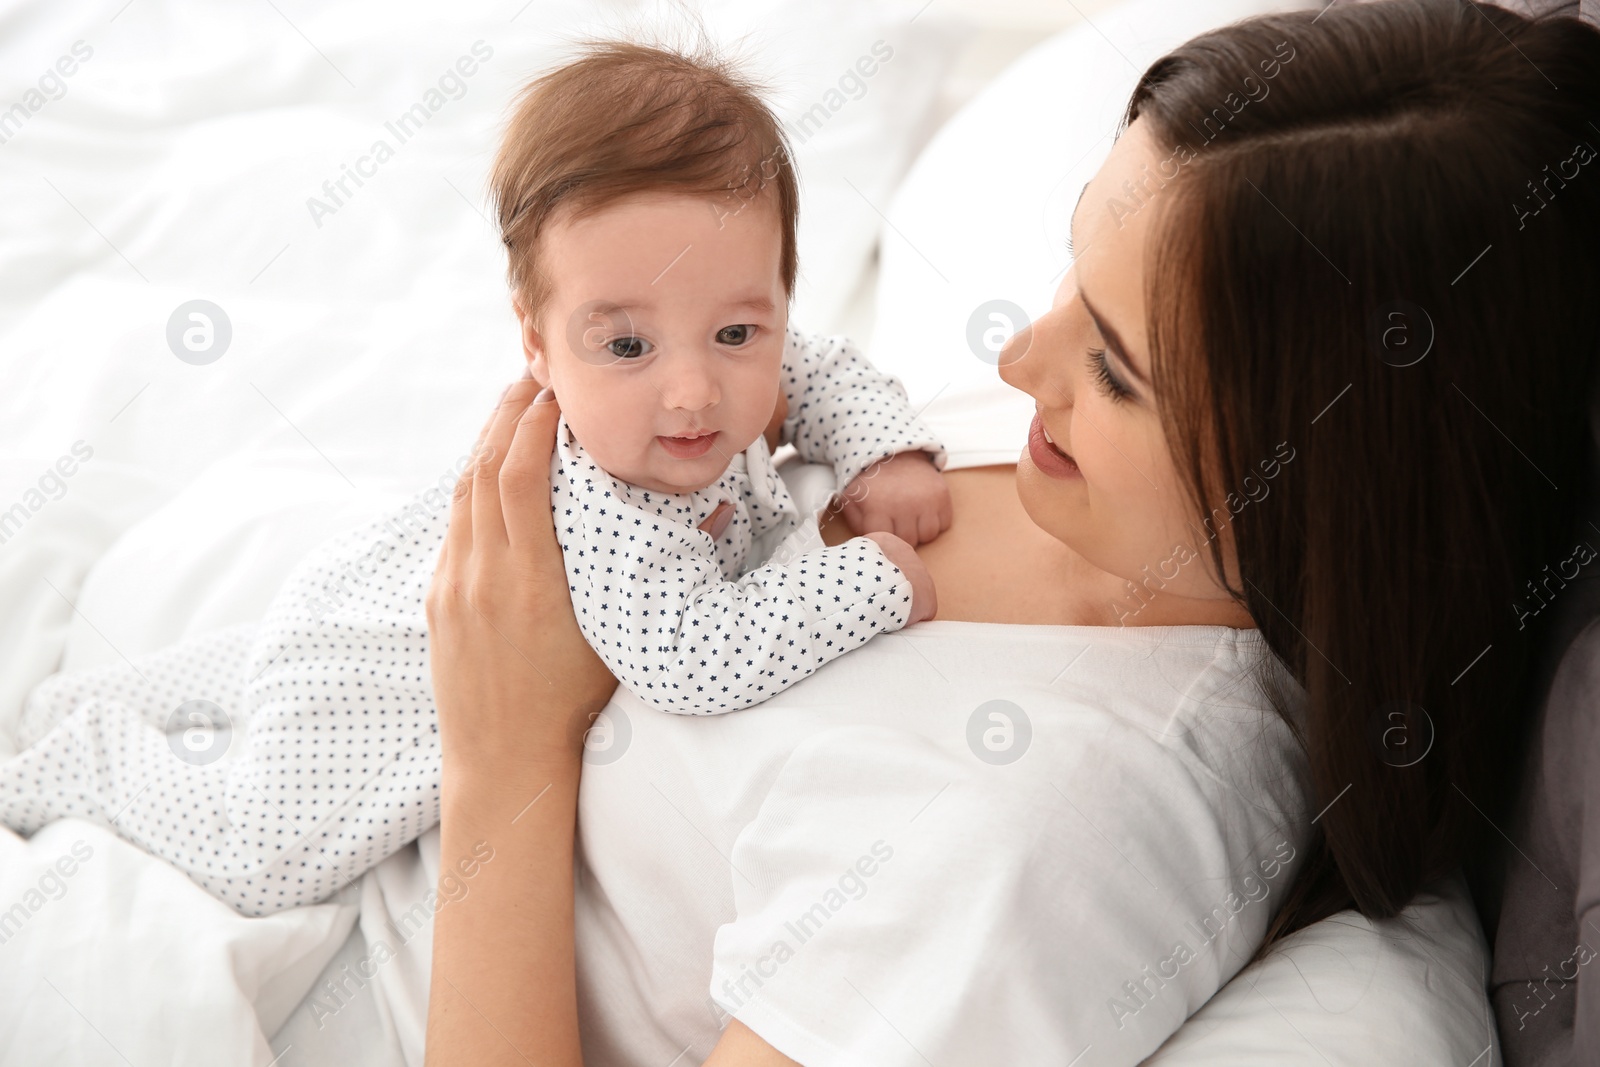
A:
[677,617]
[275,762]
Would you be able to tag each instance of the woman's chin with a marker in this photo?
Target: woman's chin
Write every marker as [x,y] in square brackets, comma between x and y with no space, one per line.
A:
[1042,500]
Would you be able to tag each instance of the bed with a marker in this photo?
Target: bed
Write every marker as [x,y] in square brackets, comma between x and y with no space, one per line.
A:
[157,482]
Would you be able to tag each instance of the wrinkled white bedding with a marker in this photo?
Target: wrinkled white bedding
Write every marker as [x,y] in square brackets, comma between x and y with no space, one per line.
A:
[175,165]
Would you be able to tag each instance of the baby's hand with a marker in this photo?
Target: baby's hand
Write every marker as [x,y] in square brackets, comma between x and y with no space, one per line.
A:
[904,495]
[924,597]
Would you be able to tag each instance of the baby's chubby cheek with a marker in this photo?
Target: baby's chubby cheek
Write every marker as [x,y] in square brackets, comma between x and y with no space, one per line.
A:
[616,439]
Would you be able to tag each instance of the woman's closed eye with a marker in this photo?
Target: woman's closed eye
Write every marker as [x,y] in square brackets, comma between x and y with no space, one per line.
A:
[735,336]
[1107,382]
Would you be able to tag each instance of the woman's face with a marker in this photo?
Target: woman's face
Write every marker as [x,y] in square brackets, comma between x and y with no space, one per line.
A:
[1107,487]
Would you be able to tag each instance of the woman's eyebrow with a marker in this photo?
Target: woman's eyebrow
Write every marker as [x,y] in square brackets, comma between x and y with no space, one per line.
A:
[1072,219]
[1114,342]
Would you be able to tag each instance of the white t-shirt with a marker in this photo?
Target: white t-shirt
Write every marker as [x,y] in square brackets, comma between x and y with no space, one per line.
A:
[857,872]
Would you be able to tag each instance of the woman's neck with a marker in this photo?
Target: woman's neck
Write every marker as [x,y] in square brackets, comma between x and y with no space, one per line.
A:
[995,565]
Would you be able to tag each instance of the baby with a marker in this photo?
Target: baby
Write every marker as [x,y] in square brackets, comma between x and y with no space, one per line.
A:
[649,210]
[648,206]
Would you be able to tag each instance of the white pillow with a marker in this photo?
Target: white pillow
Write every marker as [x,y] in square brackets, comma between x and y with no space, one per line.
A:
[1410,990]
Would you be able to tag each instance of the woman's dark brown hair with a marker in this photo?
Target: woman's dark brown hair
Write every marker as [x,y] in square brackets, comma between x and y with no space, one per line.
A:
[1380,243]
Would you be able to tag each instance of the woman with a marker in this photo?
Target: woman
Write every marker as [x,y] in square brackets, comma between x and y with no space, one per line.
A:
[1367,235]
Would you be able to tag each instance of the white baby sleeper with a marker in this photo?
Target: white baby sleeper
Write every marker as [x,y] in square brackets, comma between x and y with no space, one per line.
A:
[334,762]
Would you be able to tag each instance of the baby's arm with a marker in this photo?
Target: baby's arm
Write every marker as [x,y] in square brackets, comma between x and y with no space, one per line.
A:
[683,638]
[844,412]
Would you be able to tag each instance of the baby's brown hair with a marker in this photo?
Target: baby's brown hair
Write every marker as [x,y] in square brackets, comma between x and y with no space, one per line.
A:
[629,118]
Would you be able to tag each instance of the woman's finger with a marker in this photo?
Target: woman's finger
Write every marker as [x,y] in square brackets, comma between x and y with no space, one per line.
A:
[458,535]
[716,523]
[488,423]
[488,520]
[525,476]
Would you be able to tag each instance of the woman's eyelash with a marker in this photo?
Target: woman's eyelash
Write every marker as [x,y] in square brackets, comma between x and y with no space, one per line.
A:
[1107,382]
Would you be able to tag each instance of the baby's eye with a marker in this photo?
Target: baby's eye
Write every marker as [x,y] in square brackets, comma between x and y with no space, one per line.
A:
[735,335]
[628,347]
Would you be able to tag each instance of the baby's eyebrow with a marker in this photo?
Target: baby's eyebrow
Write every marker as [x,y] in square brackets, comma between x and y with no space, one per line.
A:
[611,307]
[608,307]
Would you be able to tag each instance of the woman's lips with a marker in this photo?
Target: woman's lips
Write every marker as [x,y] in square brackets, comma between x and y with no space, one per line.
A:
[1047,457]
[689,447]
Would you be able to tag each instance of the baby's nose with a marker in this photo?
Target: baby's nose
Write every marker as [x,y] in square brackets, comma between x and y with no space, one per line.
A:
[691,386]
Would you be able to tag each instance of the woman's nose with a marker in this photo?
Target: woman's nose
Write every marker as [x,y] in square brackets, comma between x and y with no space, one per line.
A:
[1016,347]
[1033,359]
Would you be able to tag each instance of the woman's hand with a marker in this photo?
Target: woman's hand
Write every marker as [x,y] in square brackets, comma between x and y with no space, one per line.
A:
[516,687]
[514,679]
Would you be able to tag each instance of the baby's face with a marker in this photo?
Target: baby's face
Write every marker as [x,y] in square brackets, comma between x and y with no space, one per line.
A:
[663,337]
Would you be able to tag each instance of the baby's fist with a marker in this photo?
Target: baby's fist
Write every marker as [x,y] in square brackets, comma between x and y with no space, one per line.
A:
[904,495]
[924,597]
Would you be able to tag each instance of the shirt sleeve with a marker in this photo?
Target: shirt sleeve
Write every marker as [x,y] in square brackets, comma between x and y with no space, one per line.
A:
[653,602]
[844,412]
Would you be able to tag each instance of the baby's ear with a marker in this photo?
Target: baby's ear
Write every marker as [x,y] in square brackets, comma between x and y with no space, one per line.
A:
[533,346]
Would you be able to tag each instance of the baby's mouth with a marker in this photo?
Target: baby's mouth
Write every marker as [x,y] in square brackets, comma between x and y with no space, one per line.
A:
[691,444]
